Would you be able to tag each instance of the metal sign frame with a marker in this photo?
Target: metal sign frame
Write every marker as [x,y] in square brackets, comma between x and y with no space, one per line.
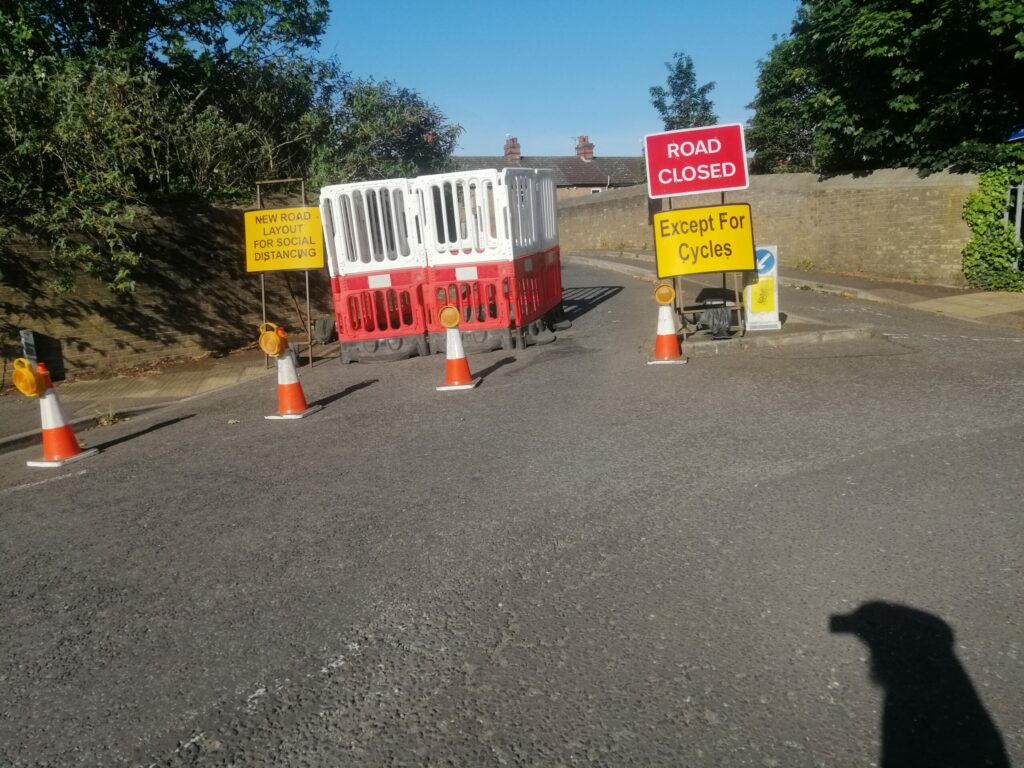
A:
[263,283]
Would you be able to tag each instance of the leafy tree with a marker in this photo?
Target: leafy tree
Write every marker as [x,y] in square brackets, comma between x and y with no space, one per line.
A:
[887,83]
[782,130]
[384,131]
[683,104]
[107,106]
[170,31]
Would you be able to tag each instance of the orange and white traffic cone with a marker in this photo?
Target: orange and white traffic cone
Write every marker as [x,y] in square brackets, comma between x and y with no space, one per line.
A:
[60,446]
[291,400]
[667,350]
[456,367]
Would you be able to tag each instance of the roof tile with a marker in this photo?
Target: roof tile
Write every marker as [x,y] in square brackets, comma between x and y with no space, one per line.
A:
[570,171]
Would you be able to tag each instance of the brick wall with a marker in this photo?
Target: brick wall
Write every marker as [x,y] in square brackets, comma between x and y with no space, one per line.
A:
[194,297]
[890,224]
[616,219]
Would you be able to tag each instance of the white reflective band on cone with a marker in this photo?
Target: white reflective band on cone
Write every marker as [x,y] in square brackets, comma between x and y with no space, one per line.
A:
[453,344]
[50,410]
[286,369]
[666,325]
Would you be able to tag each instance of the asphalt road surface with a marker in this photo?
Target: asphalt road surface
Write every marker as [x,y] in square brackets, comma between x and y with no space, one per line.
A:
[809,556]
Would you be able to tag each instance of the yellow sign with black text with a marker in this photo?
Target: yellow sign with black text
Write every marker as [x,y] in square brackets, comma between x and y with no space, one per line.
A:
[283,238]
[716,238]
[762,295]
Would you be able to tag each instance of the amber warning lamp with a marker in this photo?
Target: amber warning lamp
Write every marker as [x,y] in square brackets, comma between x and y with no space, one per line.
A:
[664,294]
[448,316]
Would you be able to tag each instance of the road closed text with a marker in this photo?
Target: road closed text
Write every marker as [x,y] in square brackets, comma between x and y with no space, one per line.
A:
[711,239]
[696,160]
[699,170]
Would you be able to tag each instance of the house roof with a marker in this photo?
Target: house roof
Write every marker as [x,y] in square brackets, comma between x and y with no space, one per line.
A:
[570,171]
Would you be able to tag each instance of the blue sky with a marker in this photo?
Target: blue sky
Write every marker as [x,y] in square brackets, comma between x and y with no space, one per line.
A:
[549,71]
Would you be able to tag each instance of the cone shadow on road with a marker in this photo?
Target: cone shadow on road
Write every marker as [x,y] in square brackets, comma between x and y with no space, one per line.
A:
[578,301]
[345,392]
[493,367]
[932,715]
[140,433]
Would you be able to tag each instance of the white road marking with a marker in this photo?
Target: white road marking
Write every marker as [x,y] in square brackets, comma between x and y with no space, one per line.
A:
[1015,340]
[37,483]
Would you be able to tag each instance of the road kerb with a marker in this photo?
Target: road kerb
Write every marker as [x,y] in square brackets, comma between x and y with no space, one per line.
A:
[769,340]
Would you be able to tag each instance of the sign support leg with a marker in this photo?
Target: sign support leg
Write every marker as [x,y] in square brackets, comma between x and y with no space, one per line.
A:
[309,322]
[741,310]
[263,304]
[315,259]
[682,305]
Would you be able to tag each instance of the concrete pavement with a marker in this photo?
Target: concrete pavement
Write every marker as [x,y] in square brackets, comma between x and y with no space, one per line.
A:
[91,402]
[1001,308]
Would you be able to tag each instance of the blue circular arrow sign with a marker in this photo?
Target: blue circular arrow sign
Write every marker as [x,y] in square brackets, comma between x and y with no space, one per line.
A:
[765,261]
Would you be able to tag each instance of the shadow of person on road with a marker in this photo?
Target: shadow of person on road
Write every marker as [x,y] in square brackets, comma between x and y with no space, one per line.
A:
[932,716]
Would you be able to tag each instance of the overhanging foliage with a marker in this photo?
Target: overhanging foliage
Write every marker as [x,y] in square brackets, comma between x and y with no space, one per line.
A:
[107,107]
[864,84]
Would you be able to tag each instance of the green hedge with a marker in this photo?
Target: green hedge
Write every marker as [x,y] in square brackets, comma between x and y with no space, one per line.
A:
[992,258]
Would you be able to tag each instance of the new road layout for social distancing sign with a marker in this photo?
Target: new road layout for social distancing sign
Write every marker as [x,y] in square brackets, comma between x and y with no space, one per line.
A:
[716,238]
[283,238]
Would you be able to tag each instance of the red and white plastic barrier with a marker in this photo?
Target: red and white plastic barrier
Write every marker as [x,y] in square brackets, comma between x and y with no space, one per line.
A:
[483,241]
[492,251]
[377,264]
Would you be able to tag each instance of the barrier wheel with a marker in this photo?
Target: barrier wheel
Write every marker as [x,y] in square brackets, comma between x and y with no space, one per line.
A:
[556,319]
[541,335]
[520,338]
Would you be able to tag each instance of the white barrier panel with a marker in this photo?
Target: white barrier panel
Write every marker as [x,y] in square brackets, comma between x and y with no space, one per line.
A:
[761,293]
[522,189]
[465,216]
[547,209]
[486,216]
[371,227]
[531,195]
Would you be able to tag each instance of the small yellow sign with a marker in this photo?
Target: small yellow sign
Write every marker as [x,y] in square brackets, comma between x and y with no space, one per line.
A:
[762,294]
[717,238]
[283,238]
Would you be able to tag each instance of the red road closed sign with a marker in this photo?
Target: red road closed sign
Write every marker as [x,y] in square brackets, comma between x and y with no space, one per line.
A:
[695,160]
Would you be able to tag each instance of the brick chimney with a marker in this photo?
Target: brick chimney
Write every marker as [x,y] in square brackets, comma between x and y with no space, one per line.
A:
[512,154]
[584,149]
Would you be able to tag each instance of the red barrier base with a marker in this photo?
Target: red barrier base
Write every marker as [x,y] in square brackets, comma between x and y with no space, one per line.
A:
[383,350]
